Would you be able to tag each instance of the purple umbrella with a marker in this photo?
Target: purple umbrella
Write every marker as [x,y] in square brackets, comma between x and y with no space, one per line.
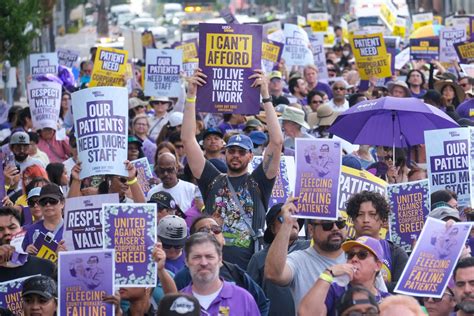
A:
[389,121]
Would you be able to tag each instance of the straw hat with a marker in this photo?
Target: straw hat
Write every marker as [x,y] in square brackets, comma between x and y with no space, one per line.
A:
[440,85]
[399,83]
[325,115]
[294,115]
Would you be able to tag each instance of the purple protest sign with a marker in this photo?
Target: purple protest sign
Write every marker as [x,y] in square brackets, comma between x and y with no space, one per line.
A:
[410,204]
[271,54]
[144,174]
[101,127]
[426,48]
[10,295]
[84,278]
[43,64]
[228,54]
[163,71]
[130,229]
[67,57]
[82,221]
[318,169]
[431,263]
[3,193]
[284,182]
[44,99]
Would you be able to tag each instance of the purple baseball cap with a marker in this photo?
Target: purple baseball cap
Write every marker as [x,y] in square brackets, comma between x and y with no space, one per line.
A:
[369,243]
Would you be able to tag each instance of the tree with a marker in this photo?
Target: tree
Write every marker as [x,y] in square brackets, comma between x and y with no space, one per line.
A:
[20,22]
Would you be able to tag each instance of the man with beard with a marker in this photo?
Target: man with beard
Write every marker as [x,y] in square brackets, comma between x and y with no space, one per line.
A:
[464,286]
[20,147]
[299,90]
[300,269]
[237,200]
[369,212]
[203,258]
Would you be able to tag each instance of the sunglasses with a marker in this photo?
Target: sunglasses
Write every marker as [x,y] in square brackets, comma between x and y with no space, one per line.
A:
[371,312]
[32,202]
[388,157]
[46,201]
[215,229]
[339,88]
[166,170]
[240,151]
[327,226]
[436,300]
[361,255]
[177,247]
[122,179]
[317,102]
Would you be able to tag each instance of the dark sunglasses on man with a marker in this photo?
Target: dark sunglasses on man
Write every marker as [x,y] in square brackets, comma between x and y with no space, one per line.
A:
[327,226]
[46,201]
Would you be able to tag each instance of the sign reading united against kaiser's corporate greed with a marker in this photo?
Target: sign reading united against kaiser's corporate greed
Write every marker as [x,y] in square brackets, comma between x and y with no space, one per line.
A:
[353,181]
[67,57]
[318,168]
[271,55]
[448,158]
[101,127]
[410,204]
[10,295]
[297,51]
[228,54]
[465,51]
[371,56]
[284,182]
[43,64]
[130,229]
[83,221]
[44,99]
[110,66]
[432,262]
[163,71]
[84,278]
[189,48]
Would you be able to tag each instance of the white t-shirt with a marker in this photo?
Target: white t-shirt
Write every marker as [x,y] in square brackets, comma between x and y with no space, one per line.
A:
[183,193]
[339,108]
[206,300]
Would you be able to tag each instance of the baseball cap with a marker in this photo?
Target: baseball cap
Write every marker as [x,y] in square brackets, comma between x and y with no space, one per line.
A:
[275,74]
[20,138]
[134,102]
[51,190]
[347,299]
[445,212]
[258,137]
[351,162]
[179,305]
[163,199]
[240,140]
[172,230]
[212,131]
[34,192]
[369,243]
[40,285]
[175,119]
[134,139]
[253,123]
[270,218]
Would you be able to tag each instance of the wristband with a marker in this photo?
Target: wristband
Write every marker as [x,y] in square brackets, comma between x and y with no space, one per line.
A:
[326,277]
[265,100]
[133,181]
[191,100]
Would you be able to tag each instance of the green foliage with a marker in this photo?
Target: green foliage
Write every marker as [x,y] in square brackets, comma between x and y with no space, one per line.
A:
[19,22]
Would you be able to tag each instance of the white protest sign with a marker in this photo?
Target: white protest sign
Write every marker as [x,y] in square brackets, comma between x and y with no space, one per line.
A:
[44,99]
[162,74]
[447,38]
[42,64]
[296,51]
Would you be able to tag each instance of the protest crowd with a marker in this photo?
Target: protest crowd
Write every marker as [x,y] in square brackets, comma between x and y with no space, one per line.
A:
[259,169]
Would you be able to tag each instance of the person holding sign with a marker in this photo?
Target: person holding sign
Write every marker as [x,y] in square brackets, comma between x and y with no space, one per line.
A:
[242,214]
[369,212]
[364,262]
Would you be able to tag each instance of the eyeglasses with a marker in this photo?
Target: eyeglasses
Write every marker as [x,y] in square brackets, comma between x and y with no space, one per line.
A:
[178,247]
[388,157]
[215,229]
[122,179]
[317,102]
[339,88]
[32,202]
[361,255]
[327,226]
[166,170]
[240,151]
[436,300]
[46,201]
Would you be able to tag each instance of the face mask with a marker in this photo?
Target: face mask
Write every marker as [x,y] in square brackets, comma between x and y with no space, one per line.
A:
[346,53]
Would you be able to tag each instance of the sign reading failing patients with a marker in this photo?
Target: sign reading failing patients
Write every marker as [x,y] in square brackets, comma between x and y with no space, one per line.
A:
[101,127]
[227,56]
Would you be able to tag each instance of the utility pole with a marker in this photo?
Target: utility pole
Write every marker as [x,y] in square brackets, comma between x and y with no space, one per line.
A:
[102,21]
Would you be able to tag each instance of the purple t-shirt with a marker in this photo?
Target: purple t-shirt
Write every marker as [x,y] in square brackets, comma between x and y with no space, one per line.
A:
[33,231]
[231,300]
[335,293]
[175,265]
